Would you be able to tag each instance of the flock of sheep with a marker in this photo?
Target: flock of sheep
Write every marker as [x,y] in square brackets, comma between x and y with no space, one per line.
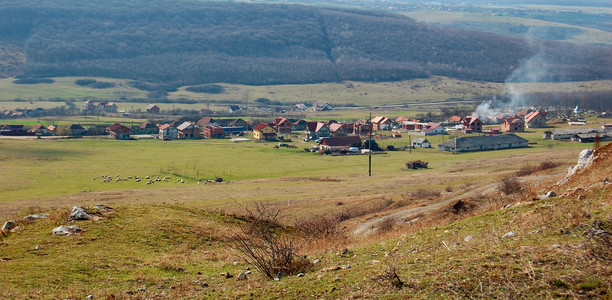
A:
[152,179]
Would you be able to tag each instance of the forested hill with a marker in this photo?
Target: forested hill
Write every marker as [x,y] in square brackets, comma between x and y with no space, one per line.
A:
[193,42]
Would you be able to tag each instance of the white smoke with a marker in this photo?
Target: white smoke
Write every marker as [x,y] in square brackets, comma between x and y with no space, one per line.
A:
[531,69]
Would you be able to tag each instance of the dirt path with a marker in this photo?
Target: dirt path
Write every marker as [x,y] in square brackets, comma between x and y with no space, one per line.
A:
[410,214]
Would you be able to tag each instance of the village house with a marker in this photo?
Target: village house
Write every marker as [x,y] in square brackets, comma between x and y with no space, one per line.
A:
[89,105]
[152,109]
[432,129]
[318,106]
[381,123]
[53,129]
[536,119]
[205,121]
[282,125]
[337,129]
[189,130]
[263,131]
[213,132]
[592,137]
[239,123]
[298,125]
[145,128]
[471,125]
[107,107]
[168,131]
[454,120]
[233,108]
[13,130]
[119,131]
[40,130]
[77,130]
[420,143]
[512,125]
[483,143]
[315,130]
[301,107]
[363,127]
[339,143]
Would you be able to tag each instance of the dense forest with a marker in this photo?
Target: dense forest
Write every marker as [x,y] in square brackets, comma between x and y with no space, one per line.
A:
[194,42]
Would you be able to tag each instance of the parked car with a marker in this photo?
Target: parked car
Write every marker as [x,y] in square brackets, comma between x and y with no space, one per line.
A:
[353,149]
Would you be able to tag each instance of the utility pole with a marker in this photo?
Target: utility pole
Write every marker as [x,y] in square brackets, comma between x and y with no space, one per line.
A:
[370,147]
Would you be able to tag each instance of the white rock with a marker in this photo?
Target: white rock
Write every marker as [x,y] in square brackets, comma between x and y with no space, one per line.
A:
[241,276]
[8,226]
[78,213]
[35,217]
[468,238]
[509,234]
[63,230]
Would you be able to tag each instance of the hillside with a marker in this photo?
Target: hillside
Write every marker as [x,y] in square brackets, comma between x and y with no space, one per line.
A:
[192,42]
[480,246]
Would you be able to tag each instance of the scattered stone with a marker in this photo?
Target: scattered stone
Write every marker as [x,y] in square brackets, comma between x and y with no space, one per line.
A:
[509,234]
[276,279]
[141,290]
[17,228]
[375,261]
[300,275]
[227,275]
[206,252]
[205,285]
[8,226]
[235,263]
[66,231]
[316,261]
[550,194]
[468,238]
[241,276]
[346,267]
[247,268]
[394,250]
[78,213]
[555,246]
[35,217]
[37,248]
[388,254]
[89,297]
[345,251]
[247,272]
[328,269]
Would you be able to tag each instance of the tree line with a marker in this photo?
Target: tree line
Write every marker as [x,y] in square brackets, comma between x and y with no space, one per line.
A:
[193,42]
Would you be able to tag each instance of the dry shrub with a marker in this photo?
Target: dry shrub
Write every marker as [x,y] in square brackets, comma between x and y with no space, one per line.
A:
[598,243]
[389,278]
[319,227]
[363,210]
[387,224]
[267,245]
[425,194]
[509,185]
[530,169]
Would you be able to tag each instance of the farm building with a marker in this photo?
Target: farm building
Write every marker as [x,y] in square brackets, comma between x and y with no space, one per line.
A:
[483,143]
[341,142]
[591,137]
[318,106]
[12,130]
[535,119]
[89,105]
[420,143]
[567,134]
[513,125]
[152,109]
[168,131]
[263,131]
[189,130]
[119,131]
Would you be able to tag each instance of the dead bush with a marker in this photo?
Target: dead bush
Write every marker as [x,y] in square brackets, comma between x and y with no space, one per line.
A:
[319,227]
[530,169]
[509,185]
[598,243]
[267,245]
[389,278]
[387,224]
[425,194]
